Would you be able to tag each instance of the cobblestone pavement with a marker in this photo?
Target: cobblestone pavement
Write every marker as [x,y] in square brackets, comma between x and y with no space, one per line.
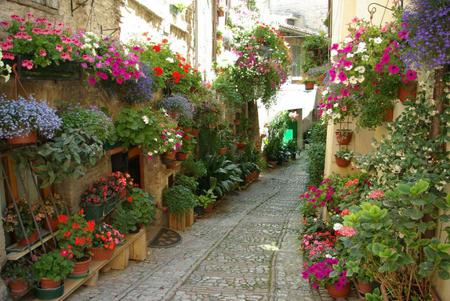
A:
[247,250]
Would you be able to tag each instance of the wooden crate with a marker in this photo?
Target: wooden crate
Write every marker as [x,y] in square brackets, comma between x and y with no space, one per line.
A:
[134,248]
[189,217]
[177,221]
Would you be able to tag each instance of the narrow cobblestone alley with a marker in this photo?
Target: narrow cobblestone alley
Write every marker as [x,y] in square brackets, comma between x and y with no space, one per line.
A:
[247,250]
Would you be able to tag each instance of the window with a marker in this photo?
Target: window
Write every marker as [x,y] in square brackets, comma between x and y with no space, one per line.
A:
[50,6]
[290,21]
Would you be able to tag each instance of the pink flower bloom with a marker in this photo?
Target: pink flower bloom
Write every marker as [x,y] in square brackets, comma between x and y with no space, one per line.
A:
[379,68]
[102,75]
[8,56]
[84,65]
[347,63]
[393,69]
[91,80]
[4,24]
[42,53]
[376,194]
[332,73]
[6,45]
[346,231]
[342,76]
[27,64]
[345,92]
[119,80]
[59,47]
[385,59]
[411,75]
[66,56]
[22,28]
[402,34]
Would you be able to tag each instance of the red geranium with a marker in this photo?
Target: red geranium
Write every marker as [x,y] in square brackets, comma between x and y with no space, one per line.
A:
[158,71]
[62,219]
[176,76]
[157,48]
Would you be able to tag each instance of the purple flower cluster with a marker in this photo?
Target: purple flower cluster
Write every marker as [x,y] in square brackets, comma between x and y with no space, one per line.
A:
[428,33]
[25,115]
[319,273]
[178,105]
[141,90]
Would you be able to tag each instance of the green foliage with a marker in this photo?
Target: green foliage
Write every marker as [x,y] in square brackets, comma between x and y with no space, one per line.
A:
[391,240]
[194,168]
[207,198]
[274,148]
[17,269]
[344,154]
[316,51]
[53,266]
[179,199]
[75,234]
[316,153]
[67,155]
[91,120]
[138,210]
[226,86]
[186,181]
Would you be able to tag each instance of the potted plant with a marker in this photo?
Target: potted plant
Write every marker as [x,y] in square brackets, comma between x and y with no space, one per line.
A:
[52,268]
[220,11]
[186,148]
[50,209]
[11,223]
[224,136]
[138,210]
[75,236]
[179,107]
[344,136]
[407,91]
[207,200]
[17,275]
[24,119]
[178,199]
[106,239]
[309,84]
[343,158]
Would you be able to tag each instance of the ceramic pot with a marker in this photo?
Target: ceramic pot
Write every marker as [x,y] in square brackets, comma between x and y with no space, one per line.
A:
[18,286]
[344,137]
[195,132]
[389,115]
[407,91]
[364,287]
[187,130]
[46,283]
[101,253]
[81,268]
[338,293]
[341,162]
[170,155]
[24,139]
[48,294]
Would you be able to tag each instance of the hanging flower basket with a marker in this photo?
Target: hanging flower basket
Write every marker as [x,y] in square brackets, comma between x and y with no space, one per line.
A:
[30,138]
[341,162]
[101,253]
[389,115]
[407,91]
[309,85]
[338,293]
[181,156]
[344,137]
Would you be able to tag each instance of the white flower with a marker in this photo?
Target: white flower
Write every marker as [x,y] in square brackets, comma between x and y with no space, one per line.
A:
[328,256]
[350,55]
[333,52]
[336,105]
[361,47]
[348,40]
[145,119]
[360,69]
[324,92]
[353,80]
[337,226]
[378,40]
[349,67]
[365,57]
[170,60]
[361,78]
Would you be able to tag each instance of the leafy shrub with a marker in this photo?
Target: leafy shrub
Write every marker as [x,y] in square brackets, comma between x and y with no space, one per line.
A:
[179,199]
[194,168]
[316,153]
[188,182]
[222,174]
[53,266]
[138,91]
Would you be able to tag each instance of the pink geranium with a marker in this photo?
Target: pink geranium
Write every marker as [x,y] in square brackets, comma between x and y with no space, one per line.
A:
[376,194]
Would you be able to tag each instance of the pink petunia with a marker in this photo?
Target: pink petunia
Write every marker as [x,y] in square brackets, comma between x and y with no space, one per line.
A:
[411,75]
[402,34]
[102,75]
[342,76]
[379,68]
[91,80]
[393,69]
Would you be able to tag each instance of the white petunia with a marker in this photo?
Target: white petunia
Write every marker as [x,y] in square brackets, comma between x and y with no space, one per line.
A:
[324,92]
[361,78]
[337,226]
[378,40]
[145,119]
[365,57]
[350,55]
[348,40]
[360,69]
[333,52]
[353,80]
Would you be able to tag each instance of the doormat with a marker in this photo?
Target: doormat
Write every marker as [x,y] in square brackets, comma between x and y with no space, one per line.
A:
[166,238]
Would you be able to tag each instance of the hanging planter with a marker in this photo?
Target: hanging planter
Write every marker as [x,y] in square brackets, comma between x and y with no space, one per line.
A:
[341,162]
[181,156]
[338,293]
[101,253]
[344,137]
[407,91]
[30,138]
[389,115]
[343,158]
[309,85]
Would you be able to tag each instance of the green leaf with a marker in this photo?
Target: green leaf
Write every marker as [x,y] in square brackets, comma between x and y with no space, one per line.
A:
[421,186]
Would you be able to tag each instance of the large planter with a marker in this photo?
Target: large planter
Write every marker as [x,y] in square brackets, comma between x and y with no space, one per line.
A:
[170,155]
[30,138]
[18,286]
[181,156]
[364,287]
[338,293]
[177,221]
[80,269]
[407,91]
[309,86]
[48,294]
[389,115]
[47,283]
[29,240]
[51,224]
[101,253]
[222,151]
[93,211]
[344,137]
[341,162]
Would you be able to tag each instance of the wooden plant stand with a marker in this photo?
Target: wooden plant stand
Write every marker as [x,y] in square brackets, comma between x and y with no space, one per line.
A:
[177,221]
[189,217]
[134,248]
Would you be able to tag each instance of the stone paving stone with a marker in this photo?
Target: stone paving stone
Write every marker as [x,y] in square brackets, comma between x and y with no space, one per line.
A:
[247,250]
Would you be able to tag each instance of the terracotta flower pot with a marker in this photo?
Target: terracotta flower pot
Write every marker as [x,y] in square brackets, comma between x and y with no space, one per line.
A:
[240,145]
[195,132]
[187,137]
[220,12]
[171,164]
[170,155]
[364,287]
[101,253]
[18,286]
[181,156]
[51,224]
[32,238]
[309,86]
[237,122]
[187,130]
[338,293]
[81,268]
[24,139]
[209,208]
[341,162]
[49,283]
[223,150]
[407,91]
[389,115]
[344,137]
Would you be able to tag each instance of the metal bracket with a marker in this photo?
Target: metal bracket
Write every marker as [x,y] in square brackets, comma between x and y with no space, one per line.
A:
[371,8]
[74,7]
[112,30]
